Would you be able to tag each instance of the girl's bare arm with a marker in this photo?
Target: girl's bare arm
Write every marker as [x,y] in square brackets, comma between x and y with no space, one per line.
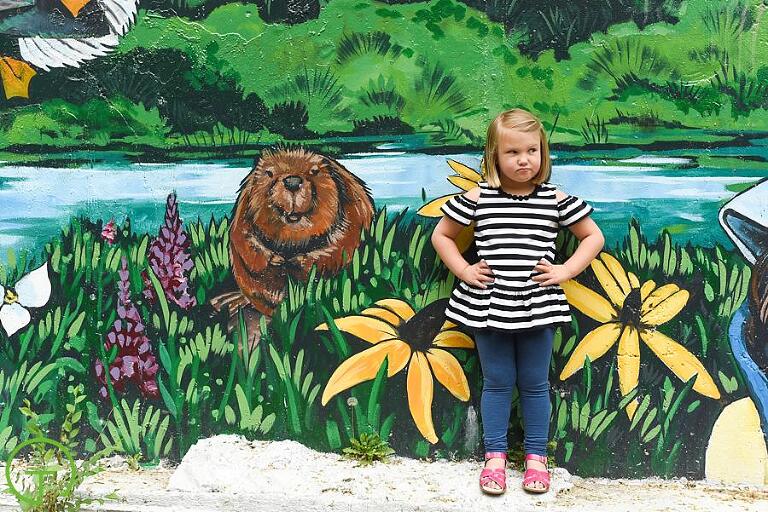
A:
[591,241]
[444,242]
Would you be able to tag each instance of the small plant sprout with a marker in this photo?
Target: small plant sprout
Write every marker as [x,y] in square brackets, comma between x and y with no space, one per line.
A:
[368,449]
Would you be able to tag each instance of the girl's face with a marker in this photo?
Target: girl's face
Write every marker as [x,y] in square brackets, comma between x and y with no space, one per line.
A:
[519,156]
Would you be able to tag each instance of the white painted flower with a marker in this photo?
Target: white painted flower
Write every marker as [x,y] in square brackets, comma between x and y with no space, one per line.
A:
[31,291]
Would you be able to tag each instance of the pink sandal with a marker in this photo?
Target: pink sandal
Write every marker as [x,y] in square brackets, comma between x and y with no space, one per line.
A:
[496,476]
[536,475]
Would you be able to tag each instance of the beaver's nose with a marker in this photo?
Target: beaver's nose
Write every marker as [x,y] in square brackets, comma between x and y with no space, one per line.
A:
[292,183]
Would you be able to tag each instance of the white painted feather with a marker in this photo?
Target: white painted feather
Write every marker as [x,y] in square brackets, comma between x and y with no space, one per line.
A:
[121,14]
[46,53]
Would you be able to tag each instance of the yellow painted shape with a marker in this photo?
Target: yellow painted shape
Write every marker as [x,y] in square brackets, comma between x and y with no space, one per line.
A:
[629,364]
[432,208]
[370,329]
[16,75]
[465,171]
[420,393]
[397,306]
[364,366]
[736,452]
[462,183]
[464,239]
[383,314]
[75,6]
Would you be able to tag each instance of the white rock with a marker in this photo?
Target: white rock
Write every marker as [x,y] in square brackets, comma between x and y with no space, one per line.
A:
[280,468]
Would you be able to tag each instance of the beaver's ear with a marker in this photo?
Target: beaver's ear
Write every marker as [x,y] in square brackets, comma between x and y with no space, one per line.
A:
[255,163]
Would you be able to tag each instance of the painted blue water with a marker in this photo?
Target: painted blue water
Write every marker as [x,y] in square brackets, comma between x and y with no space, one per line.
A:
[757,381]
[665,190]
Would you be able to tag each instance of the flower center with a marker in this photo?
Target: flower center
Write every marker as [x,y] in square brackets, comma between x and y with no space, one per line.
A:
[630,313]
[10,297]
[420,331]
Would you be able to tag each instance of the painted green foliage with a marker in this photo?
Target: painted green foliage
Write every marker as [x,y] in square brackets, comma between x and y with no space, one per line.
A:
[211,381]
[593,72]
[127,318]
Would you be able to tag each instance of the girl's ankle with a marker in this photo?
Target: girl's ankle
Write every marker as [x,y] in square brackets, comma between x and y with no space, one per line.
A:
[495,463]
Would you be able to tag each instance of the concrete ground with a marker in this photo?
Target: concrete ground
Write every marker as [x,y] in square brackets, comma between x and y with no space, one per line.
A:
[227,473]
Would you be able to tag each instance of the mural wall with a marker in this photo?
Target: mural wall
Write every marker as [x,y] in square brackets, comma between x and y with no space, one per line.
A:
[216,217]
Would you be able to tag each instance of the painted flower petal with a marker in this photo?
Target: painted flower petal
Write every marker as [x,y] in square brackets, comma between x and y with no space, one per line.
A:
[13,317]
[420,391]
[617,271]
[465,171]
[656,297]
[667,309]
[588,302]
[383,314]
[465,238]
[612,277]
[432,208]
[634,282]
[364,366]
[629,364]
[453,339]
[646,289]
[593,345]
[397,306]
[681,362]
[449,373]
[632,408]
[462,183]
[370,329]
[448,325]
[34,289]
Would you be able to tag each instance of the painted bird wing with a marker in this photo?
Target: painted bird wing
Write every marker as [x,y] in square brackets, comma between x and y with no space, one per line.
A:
[100,25]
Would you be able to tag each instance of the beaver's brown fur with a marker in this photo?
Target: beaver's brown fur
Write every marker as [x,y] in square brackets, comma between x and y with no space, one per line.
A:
[294,209]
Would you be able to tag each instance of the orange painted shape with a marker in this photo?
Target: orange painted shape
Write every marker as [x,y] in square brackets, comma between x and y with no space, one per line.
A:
[74,6]
[16,75]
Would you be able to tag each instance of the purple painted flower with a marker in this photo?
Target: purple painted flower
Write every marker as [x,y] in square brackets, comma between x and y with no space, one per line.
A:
[169,259]
[109,232]
[135,361]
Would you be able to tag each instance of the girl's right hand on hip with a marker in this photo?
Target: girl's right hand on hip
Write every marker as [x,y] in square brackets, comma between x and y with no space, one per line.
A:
[477,275]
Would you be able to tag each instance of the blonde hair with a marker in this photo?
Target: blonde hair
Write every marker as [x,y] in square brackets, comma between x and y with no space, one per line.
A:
[515,119]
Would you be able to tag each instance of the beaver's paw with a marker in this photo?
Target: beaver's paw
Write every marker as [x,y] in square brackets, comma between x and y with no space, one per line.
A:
[300,260]
[276,260]
[274,296]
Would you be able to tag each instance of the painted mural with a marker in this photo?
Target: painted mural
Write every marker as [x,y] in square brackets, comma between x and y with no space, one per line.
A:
[215,218]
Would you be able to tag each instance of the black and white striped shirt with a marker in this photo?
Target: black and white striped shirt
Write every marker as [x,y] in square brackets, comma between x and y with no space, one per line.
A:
[512,233]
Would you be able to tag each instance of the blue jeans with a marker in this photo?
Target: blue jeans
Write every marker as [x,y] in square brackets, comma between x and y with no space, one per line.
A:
[509,359]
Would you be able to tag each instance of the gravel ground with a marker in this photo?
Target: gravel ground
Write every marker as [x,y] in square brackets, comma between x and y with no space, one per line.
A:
[227,473]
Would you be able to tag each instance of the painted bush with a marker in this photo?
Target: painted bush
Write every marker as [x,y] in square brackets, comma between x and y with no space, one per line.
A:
[123,164]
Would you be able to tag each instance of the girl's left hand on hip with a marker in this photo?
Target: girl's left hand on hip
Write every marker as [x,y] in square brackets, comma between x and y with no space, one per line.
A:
[550,274]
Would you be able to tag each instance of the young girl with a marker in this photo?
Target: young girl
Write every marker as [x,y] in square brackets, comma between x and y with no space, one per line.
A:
[512,298]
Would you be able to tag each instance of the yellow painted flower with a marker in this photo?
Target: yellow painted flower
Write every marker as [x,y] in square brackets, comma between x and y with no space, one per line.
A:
[405,338]
[631,315]
[465,179]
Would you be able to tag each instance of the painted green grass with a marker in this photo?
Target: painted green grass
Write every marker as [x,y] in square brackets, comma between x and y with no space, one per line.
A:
[439,68]
[213,382]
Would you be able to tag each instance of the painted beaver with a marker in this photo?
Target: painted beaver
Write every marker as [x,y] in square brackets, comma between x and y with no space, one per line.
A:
[295,209]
